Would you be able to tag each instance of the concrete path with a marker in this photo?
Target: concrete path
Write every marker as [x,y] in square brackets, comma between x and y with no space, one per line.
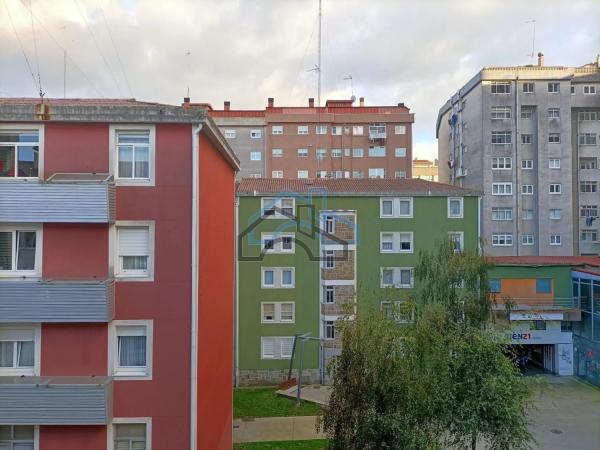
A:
[275,429]
[312,393]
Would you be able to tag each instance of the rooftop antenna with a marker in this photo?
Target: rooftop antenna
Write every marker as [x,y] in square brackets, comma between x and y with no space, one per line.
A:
[319,63]
[349,78]
[532,54]
[187,54]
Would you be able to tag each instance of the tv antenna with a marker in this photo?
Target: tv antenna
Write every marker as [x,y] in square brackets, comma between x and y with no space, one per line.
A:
[349,78]
[532,54]
[187,55]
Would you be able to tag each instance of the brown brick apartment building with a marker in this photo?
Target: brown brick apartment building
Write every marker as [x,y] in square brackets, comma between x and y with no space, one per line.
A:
[338,140]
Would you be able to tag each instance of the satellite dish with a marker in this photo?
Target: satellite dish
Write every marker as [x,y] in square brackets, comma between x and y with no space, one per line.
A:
[353,98]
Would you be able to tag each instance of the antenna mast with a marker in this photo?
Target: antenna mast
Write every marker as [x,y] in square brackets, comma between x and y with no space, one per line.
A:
[532,54]
[319,62]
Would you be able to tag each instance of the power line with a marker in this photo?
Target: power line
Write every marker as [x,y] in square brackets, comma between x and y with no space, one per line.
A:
[87,26]
[301,63]
[21,45]
[37,60]
[73,63]
[116,51]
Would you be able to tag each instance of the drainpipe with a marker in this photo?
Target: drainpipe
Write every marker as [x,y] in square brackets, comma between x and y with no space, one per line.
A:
[479,248]
[237,293]
[517,114]
[194,337]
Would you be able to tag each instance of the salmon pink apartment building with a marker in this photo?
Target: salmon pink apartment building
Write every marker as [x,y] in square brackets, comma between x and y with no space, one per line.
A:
[116,276]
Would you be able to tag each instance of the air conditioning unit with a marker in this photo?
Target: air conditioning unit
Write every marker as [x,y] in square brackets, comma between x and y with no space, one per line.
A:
[461,172]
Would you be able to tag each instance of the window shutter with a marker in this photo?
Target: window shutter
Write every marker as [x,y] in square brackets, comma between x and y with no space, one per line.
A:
[134,241]
[268,348]
[287,345]
[131,331]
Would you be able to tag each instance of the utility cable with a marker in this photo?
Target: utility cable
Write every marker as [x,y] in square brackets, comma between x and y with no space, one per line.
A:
[116,52]
[21,46]
[37,60]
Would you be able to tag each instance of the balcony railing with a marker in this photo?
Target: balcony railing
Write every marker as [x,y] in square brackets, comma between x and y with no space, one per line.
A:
[56,301]
[63,198]
[55,400]
[531,303]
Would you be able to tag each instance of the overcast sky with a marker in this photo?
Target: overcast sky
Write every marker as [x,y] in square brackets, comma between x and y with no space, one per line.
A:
[416,52]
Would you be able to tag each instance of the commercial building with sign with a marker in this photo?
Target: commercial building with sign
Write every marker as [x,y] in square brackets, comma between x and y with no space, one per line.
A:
[116,276]
[312,251]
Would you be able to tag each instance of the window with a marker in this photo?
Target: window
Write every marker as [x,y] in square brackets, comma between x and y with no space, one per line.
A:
[589,89]
[396,207]
[495,285]
[572,90]
[396,242]
[255,156]
[302,129]
[329,259]
[555,239]
[329,294]
[336,152]
[589,211]
[278,242]
[528,88]
[398,277]
[527,214]
[329,326]
[135,248]
[338,174]
[277,277]
[282,207]
[501,163]
[377,173]
[527,139]
[321,174]
[502,213]
[302,153]
[588,163]
[455,207]
[554,188]
[255,134]
[358,130]
[336,130]
[329,224]
[277,312]
[527,239]
[588,116]
[20,154]
[553,113]
[554,138]
[276,347]
[277,174]
[357,152]
[527,189]
[500,112]
[19,350]
[400,152]
[276,129]
[20,252]
[501,87]
[321,153]
[17,437]
[501,137]
[135,155]
[397,311]
[378,152]
[588,186]
[457,238]
[555,214]
[400,129]
[400,174]
[358,174]
[129,434]
[501,188]
[321,129]
[502,239]
[553,88]
[537,325]
[527,164]
[543,286]
[303,174]
[527,113]
[230,134]
[589,235]
[377,131]
[277,152]
[131,348]
[554,163]
[588,139]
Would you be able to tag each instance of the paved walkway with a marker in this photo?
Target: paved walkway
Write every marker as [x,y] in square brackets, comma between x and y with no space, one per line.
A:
[275,429]
[312,393]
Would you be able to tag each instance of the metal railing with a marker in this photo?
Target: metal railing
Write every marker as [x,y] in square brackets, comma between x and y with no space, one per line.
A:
[535,303]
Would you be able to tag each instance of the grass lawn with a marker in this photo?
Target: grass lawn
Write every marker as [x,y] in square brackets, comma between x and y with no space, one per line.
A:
[318,444]
[263,402]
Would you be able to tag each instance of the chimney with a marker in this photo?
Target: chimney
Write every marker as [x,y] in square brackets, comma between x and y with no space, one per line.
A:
[226,105]
[311,102]
[401,105]
[271,101]
[186,102]
[361,101]
[540,59]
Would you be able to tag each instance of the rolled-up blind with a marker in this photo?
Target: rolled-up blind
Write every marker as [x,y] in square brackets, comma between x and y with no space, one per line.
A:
[134,241]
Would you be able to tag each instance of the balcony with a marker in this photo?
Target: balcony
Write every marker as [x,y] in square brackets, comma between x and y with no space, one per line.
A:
[377,132]
[23,301]
[552,308]
[55,400]
[62,198]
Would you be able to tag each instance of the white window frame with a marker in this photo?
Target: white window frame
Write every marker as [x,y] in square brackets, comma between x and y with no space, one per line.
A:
[302,130]
[358,152]
[501,163]
[504,190]
[278,207]
[114,154]
[336,152]
[276,153]
[253,156]
[529,91]
[277,278]
[527,214]
[326,289]
[302,153]
[148,274]
[396,207]
[506,136]
[358,130]
[587,235]
[553,113]
[527,239]
[555,189]
[278,244]
[379,170]
[500,112]
[277,345]
[502,210]
[461,236]
[256,134]
[397,277]
[527,164]
[277,174]
[19,128]
[277,312]
[506,87]
[113,351]
[321,129]
[461,202]
[20,332]
[230,133]
[400,152]
[399,129]
[557,242]
[527,189]
[378,151]
[39,245]
[397,239]
[526,139]
[553,90]
[329,324]
[554,163]
[395,306]
[553,135]
[526,113]
[590,88]
[504,237]
[132,421]
[550,215]
[400,174]
[336,130]
[276,129]
[302,174]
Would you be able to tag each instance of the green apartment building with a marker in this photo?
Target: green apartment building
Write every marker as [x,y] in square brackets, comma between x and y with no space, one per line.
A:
[312,251]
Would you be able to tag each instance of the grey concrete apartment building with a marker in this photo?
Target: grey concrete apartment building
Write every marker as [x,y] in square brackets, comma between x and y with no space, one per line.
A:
[528,137]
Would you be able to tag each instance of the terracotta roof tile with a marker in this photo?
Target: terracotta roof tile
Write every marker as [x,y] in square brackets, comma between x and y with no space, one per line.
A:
[77,101]
[547,260]
[349,186]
